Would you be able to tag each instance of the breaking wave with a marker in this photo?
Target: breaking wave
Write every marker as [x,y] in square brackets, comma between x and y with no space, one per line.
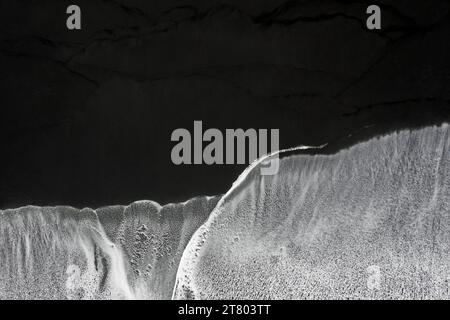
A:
[372,221]
[117,252]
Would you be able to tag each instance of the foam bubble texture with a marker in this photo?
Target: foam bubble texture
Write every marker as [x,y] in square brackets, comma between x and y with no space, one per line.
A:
[117,252]
[372,221]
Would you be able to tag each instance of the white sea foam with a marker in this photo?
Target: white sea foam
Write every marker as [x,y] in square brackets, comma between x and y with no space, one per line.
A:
[116,252]
[371,221]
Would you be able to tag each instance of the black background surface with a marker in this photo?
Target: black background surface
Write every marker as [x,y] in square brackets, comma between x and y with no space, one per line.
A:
[86,116]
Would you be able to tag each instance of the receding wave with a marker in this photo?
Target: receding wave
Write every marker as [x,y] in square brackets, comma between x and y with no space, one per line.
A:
[372,221]
[117,252]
